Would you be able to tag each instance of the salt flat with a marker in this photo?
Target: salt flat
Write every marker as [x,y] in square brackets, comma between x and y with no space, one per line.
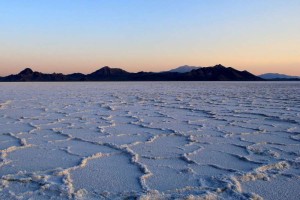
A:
[150,140]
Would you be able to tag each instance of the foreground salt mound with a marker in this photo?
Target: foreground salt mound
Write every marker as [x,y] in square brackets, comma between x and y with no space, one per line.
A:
[149,141]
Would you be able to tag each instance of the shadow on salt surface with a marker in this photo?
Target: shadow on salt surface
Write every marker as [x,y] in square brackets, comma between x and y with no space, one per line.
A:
[83,148]
[263,152]
[173,125]
[24,190]
[83,133]
[164,147]
[223,160]
[38,159]
[209,171]
[128,129]
[226,148]
[15,127]
[165,120]
[235,130]
[18,189]
[287,151]
[25,112]
[107,176]
[268,188]
[7,141]
[125,139]
[274,138]
[42,137]
[167,179]
[169,174]
[211,136]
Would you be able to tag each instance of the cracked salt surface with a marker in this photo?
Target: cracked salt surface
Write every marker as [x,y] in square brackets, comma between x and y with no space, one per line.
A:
[154,140]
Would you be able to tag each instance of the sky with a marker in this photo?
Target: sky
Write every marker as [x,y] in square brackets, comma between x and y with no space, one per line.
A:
[66,36]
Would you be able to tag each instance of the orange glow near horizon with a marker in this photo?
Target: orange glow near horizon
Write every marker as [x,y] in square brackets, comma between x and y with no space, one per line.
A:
[288,69]
[54,36]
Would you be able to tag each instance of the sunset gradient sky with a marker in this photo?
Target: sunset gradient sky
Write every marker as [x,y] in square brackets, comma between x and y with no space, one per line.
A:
[149,35]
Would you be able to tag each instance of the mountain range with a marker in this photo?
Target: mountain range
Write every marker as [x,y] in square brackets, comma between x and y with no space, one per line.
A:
[184,73]
[184,69]
[276,76]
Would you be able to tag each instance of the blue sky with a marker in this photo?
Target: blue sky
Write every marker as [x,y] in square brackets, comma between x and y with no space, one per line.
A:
[149,35]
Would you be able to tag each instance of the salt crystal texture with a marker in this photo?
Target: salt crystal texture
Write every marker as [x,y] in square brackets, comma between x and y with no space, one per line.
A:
[152,140]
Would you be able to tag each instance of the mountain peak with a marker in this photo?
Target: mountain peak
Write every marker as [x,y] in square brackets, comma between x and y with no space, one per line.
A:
[26,71]
[106,70]
[184,69]
[219,66]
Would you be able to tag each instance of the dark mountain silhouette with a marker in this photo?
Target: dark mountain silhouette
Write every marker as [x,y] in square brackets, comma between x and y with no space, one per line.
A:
[215,73]
[29,75]
[76,77]
[183,69]
[221,73]
[108,74]
[107,71]
[26,71]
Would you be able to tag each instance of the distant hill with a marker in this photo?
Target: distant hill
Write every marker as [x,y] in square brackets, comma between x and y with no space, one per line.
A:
[29,75]
[183,69]
[275,76]
[106,74]
[215,73]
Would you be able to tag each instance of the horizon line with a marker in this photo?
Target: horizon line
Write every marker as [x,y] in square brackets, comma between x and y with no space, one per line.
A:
[114,67]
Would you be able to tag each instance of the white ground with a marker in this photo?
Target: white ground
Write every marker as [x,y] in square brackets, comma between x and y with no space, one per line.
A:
[150,140]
